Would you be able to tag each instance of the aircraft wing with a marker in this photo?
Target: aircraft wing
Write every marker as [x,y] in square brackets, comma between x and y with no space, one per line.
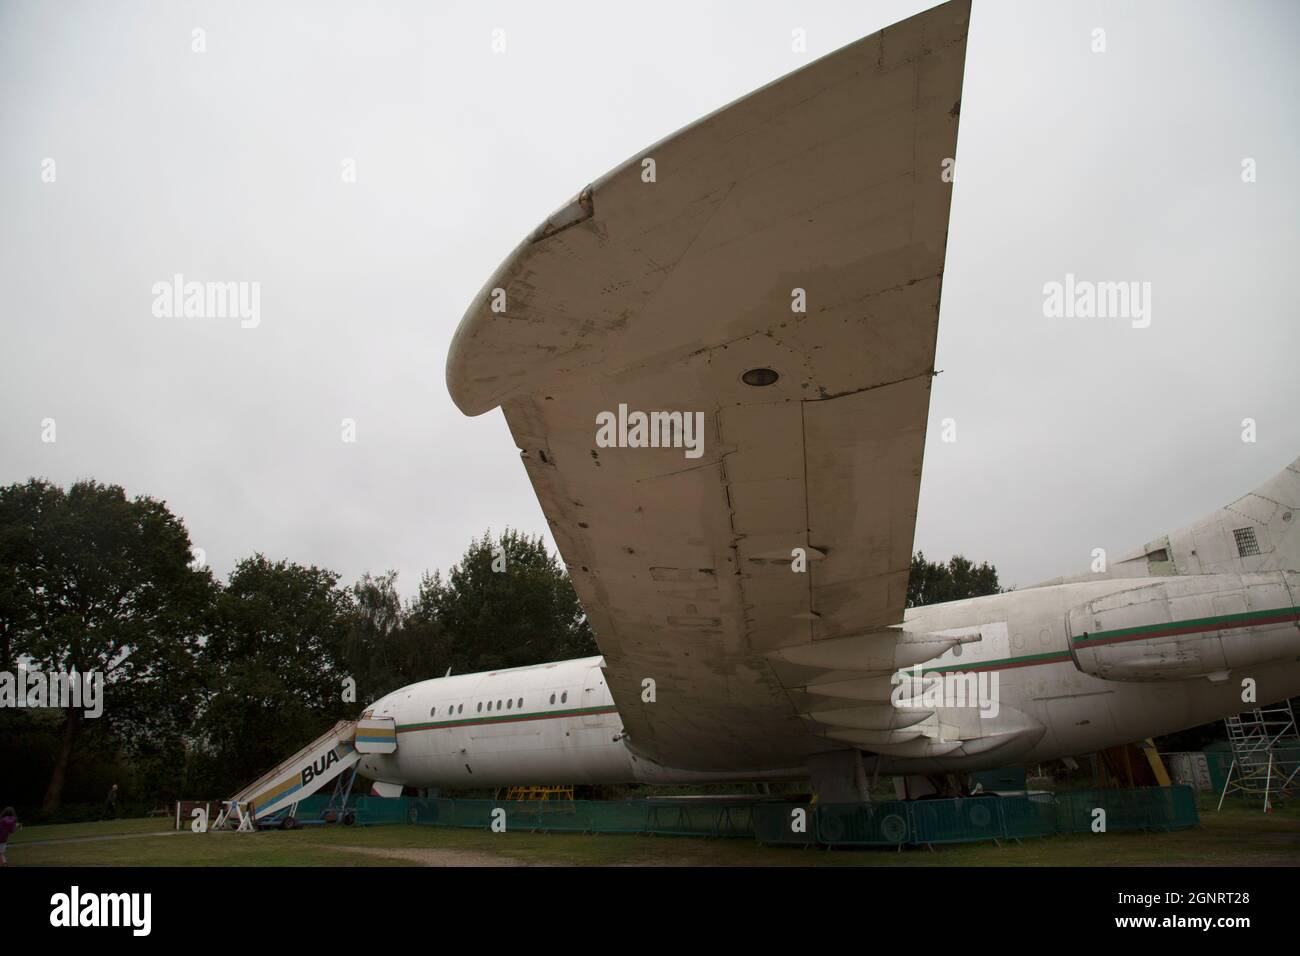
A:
[656,290]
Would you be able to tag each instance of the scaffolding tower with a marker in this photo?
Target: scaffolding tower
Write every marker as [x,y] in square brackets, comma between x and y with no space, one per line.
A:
[1265,754]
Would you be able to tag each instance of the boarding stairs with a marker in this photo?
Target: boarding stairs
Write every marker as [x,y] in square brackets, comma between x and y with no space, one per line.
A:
[331,756]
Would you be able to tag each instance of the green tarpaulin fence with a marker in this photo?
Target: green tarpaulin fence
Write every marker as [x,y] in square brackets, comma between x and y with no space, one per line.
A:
[972,819]
[885,823]
[591,816]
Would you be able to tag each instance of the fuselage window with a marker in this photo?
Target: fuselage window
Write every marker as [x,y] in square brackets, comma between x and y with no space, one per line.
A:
[510,704]
[460,708]
[498,705]
[552,698]
[521,702]
[564,698]
[433,711]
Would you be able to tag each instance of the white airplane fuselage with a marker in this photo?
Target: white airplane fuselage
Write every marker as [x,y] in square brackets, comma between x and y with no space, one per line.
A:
[1056,693]
[542,724]
[1196,626]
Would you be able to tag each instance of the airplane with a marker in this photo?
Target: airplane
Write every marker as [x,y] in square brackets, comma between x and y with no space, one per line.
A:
[776,269]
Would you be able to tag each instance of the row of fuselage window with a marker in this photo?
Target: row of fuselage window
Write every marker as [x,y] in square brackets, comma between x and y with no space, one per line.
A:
[511,704]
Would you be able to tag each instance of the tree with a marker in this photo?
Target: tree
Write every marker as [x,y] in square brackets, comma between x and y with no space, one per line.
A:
[507,603]
[931,583]
[274,664]
[21,507]
[94,582]
[388,646]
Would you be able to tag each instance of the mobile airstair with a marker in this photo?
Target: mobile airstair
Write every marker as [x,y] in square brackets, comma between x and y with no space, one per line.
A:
[272,799]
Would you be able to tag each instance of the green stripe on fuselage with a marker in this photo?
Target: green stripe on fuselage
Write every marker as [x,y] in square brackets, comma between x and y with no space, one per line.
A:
[504,718]
[1191,625]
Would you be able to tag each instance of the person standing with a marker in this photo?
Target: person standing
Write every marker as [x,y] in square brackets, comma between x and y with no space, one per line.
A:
[8,824]
[110,803]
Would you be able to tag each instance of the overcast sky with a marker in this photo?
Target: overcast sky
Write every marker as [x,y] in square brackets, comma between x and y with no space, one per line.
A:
[229,165]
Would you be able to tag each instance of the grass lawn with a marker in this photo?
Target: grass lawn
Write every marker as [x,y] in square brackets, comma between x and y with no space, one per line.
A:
[1237,836]
[67,831]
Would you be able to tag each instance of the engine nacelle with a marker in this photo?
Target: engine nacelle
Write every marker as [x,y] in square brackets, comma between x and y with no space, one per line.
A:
[1178,628]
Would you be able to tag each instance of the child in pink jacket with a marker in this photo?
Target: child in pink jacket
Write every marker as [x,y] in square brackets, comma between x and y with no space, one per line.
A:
[8,824]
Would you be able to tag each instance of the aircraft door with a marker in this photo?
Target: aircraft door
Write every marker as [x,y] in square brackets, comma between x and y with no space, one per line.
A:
[593,697]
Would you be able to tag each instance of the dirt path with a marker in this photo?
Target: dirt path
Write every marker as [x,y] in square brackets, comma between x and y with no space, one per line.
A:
[433,857]
[94,839]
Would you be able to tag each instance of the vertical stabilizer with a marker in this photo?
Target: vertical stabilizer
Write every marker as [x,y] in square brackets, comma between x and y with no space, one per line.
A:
[1260,531]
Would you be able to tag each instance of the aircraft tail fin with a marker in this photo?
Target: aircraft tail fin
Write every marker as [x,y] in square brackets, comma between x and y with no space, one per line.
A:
[1260,531]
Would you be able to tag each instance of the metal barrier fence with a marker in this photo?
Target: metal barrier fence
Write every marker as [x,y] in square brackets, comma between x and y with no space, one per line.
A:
[973,819]
[672,818]
[887,823]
